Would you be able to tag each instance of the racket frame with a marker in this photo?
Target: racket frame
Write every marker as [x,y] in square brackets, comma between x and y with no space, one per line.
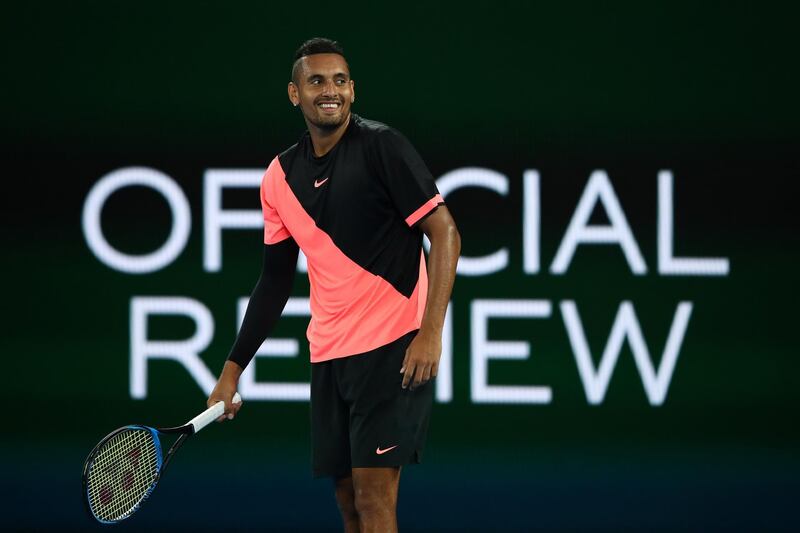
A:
[162,461]
[185,431]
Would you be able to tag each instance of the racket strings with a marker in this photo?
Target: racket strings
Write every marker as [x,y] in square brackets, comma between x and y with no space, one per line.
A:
[122,474]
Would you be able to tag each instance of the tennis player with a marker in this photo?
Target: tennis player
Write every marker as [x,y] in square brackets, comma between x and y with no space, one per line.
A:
[356,197]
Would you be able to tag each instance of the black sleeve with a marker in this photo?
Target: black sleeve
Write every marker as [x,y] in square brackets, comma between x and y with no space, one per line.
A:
[267,301]
[401,169]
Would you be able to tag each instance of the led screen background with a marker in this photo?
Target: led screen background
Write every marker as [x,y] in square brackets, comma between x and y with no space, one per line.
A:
[704,92]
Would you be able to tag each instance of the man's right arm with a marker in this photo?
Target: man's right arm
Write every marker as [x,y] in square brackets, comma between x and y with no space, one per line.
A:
[266,304]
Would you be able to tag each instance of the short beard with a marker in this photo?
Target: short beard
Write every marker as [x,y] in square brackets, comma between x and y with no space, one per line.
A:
[327,126]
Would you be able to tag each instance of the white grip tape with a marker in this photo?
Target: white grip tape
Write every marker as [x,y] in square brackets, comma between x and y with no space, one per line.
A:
[211,414]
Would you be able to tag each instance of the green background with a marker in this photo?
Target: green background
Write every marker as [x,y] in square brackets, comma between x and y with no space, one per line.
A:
[707,90]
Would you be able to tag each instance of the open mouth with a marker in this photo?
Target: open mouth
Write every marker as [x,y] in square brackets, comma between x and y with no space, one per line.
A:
[329,106]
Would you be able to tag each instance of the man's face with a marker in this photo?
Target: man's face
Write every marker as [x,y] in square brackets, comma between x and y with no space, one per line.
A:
[323,90]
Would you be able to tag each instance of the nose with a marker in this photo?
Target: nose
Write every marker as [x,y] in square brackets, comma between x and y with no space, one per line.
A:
[329,89]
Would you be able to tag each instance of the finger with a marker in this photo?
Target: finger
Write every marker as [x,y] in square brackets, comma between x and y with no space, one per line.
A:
[434,370]
[235,410]
[405,361]
[409,373]
[230,408]
[418,376]
[426,376]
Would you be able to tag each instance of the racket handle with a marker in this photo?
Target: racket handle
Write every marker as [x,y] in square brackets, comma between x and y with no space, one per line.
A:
[211,414]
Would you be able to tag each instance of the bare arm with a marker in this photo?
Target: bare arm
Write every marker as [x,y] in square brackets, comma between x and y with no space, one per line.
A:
[422,356]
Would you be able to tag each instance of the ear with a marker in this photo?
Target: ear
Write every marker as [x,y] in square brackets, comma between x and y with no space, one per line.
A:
[294,96]
[353,91]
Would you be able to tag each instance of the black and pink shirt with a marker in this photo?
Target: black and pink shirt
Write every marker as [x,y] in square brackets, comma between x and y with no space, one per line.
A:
[354,212]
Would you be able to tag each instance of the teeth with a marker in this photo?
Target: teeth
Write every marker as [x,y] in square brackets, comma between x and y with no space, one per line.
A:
[330,106]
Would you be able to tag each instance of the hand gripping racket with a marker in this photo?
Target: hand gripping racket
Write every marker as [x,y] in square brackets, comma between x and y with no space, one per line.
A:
[124,467]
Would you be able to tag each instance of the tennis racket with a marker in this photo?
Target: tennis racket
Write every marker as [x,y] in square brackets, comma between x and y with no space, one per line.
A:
[124,467]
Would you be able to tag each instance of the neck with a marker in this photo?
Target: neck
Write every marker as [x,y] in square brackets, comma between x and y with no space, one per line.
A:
[324,140]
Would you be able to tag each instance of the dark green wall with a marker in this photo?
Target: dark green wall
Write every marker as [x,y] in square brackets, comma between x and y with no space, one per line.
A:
[706,90]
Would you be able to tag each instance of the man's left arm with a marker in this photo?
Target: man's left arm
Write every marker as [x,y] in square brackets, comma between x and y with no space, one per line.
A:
[421,362]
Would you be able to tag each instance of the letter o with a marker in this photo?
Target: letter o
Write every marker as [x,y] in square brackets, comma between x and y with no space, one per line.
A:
[128,177]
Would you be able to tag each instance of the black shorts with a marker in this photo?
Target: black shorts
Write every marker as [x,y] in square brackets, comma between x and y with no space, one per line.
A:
[362,417]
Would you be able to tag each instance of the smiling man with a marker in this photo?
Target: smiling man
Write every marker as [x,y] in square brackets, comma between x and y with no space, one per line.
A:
[356,197]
